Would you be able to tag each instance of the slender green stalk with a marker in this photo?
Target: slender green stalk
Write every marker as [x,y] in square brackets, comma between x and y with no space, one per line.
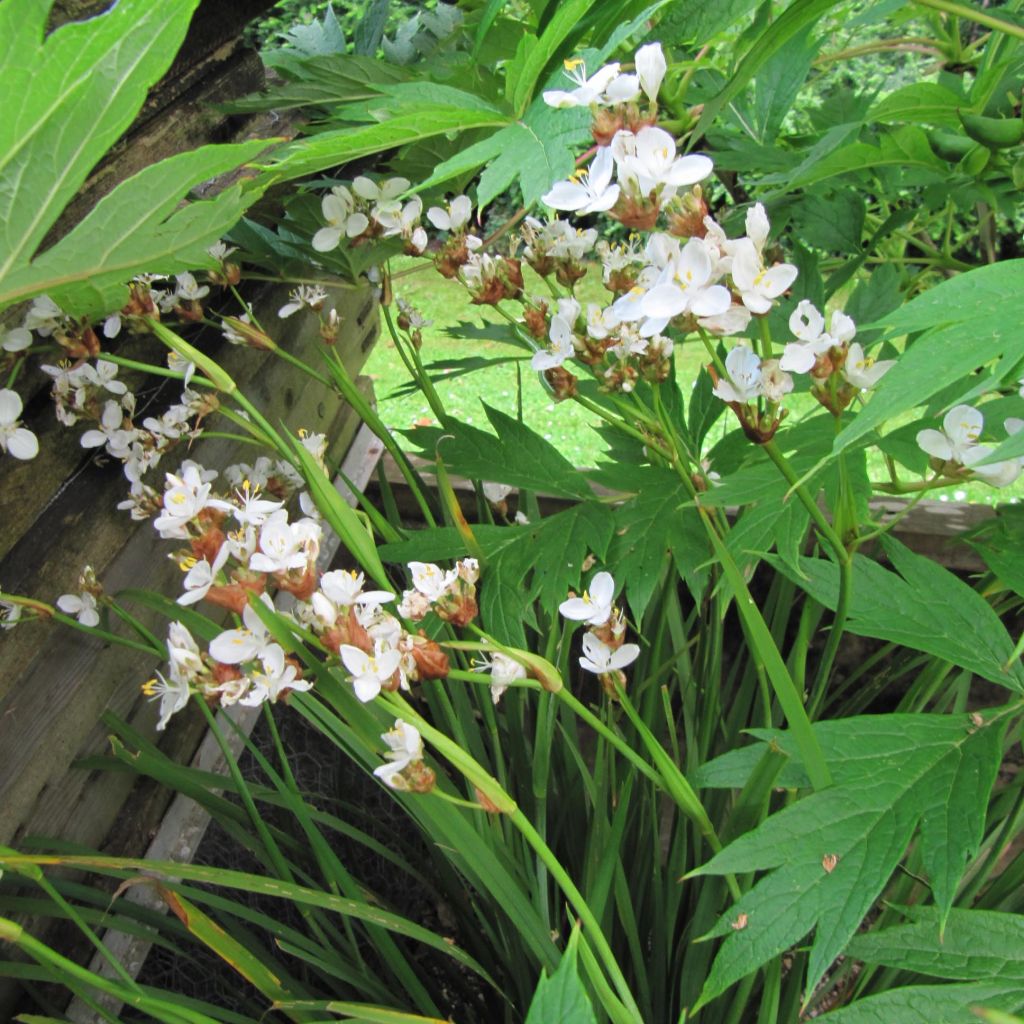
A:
[973,14]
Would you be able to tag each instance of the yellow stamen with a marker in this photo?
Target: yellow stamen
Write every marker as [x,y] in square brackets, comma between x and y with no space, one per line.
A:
[573,63]
[189,562]
[150,687]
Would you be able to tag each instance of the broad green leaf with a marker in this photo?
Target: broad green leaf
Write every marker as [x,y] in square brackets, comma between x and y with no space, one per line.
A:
[77,92]
[929,1004]
[955,623]
[370,30]
[833,222]
[777,83]
[905,148]
[828,856]
[139,227]
[972,320]
[332,149]
[562,997]
[659,521]
[975,945]
[922,102]
[515,455]
[532,55]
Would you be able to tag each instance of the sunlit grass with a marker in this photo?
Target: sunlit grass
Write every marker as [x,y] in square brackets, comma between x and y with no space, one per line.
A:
[565,424]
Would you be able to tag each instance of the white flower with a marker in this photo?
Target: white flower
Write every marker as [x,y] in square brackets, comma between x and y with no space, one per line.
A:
[344,587]
[15,439]
[10,614]
[808,325]
[104,375]
[595,606]
[274,676]
[648,160]
[650,69]
[400,220]
[504,672]
[863,371]
[495,492]
[758,286]
[599,658]
[183,655]
[15,340]
[775,382]
[185,497]
[110,432]
[281,545]
[173,696]
[220,251]
[757,226]
[744,369]
[253,510]
[455,218]
[235,646]
[406,747]
[430,580]
[369,673]
[44,317]
[684,287]
[305,295]
[82,606]
[587,90]
[337,208]
[961,429]
[391,188]
[561,348]
[202,576]
[587,191]
[623,89]
[187,288]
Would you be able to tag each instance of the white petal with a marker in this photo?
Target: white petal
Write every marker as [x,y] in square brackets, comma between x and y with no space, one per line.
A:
[324,240]
[23,444]
[934,442]
[10,406]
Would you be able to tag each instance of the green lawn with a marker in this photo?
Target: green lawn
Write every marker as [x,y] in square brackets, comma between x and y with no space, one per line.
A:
[565,424]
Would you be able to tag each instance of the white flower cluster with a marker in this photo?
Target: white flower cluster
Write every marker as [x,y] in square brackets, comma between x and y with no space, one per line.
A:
[372,210]
[604,653]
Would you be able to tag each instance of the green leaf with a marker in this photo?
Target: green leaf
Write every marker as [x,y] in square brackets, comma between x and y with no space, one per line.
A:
[139,227]
[972,320]
[935,772]
[515,455]
[928,1004]
[955,623]
[532,55]
[562,997]
[659,521]
[1001,545]
[920,103]
[542,561]
[77,92]
[798,16]
[332,149]
[370,30]
[833,222]
[697,21]
[321,82]
[976,945]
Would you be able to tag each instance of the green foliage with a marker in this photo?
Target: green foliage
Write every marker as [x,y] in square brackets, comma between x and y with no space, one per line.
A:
[562,996]
[81,87]
[918,772]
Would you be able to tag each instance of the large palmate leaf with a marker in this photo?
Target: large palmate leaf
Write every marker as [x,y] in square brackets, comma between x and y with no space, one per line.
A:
[828,856]
[78,89]
[954,623]
[515,455]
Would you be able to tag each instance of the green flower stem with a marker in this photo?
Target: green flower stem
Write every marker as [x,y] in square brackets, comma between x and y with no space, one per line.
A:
[715,358]
[366,412]
[492,791]
[152,369]
[414,365]
[299,364]
[621,424]
[973,14]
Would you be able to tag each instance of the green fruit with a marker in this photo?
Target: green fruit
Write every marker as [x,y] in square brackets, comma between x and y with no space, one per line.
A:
[975,161]
[994,132]
[950,146]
